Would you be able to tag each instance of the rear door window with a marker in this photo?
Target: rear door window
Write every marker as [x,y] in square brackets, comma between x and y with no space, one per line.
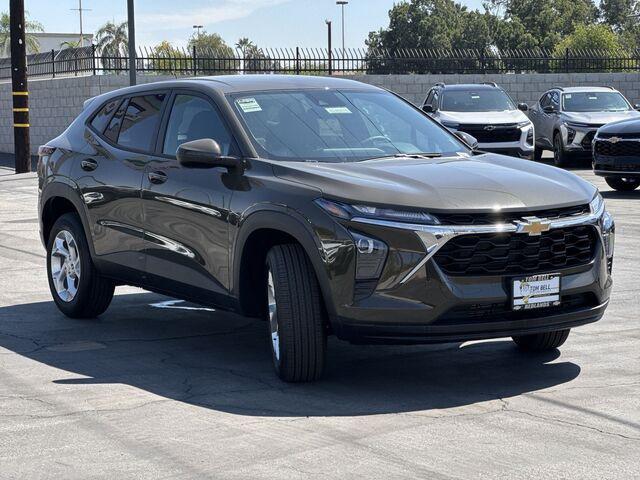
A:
[116,121]
[101,119]
[140,121]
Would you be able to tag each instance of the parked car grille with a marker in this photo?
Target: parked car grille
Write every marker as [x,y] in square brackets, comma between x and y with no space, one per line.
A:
[623,148]
[516,253]
[509,217]
[502,311]
[500,133]
[587,139]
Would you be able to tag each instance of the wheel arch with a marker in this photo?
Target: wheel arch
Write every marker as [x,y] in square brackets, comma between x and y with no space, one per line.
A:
[257,234]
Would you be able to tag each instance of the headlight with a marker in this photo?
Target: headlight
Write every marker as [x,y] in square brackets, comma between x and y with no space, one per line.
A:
[597,204]
[347,212]
[606,222]
[452,125]
[576,124]
[523,124]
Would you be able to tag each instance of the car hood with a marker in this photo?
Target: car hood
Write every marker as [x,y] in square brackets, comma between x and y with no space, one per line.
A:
[467,183]
[483,118]
[599,118]
[623,127]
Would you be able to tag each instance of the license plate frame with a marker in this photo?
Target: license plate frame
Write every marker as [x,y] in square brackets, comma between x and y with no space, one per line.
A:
[536,291]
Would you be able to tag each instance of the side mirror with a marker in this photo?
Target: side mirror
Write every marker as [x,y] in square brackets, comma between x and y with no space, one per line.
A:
[468,139]
[205,153]
[523,107]
[428,108]
[636,106]
[549,109]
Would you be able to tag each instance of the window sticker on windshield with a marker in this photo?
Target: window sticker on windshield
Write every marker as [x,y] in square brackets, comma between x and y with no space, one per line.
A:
[592,97]
[249,105]
[567,95]
[475,97]
[337,110]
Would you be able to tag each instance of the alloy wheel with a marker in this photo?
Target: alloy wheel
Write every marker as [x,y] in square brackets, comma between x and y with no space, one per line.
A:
[273,319]
[65,265]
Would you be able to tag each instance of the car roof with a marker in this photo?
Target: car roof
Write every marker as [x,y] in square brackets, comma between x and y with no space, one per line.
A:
[249,83]
[586,89]
[469,86]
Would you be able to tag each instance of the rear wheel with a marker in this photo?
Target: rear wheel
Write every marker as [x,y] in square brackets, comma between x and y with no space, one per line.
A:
[295,314]
[77,288]
[623,184]
[541,341]
[560,157]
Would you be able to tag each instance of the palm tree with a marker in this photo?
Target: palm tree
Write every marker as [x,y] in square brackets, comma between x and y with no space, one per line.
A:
[5,39]
[111,38]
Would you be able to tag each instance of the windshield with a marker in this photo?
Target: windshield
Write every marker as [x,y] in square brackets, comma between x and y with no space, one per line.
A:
[594,102]
[485,100]
[339,126]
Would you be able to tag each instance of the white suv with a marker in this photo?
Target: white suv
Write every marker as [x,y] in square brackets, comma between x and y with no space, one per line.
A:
[486,112]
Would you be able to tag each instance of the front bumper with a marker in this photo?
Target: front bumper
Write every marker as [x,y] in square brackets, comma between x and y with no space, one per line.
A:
[578,140]
[415,301]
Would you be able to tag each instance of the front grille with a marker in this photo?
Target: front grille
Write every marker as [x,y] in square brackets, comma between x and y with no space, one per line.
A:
[622,148]
[517,253]
[587,139]
[488,312]
[500,133]
[509,217]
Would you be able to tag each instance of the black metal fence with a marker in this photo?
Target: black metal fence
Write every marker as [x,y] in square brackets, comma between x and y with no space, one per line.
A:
[318,61]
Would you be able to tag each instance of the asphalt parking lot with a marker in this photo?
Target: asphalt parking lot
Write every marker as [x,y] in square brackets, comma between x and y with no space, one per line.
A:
[155,390]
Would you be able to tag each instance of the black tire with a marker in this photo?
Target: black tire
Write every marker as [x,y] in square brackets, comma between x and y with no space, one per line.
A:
[537,154]
[622,184]
[94,293]
[299,316]
[560,157]
[539,342]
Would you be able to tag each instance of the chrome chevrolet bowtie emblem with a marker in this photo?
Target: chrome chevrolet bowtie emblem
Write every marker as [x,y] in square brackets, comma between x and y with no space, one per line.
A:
[615,139]
[532,225]
[490,127]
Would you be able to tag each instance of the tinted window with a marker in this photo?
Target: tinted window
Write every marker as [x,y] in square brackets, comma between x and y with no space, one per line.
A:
[429,99]
[545,100]
[484,100]
[101,119]
[140,122]
[339,126]
[114,125]
[594,102]
[193,118]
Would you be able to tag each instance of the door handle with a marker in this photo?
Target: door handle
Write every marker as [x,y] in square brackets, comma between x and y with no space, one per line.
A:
[157,177]
[89,164]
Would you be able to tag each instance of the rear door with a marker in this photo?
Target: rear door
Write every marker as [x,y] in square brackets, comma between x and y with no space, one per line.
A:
[122,134]
[540,119]
[186,209]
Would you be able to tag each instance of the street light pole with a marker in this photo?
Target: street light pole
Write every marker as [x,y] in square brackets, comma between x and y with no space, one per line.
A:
[132,42]
[342,3]
[328,22]
[197,28]
[22,146]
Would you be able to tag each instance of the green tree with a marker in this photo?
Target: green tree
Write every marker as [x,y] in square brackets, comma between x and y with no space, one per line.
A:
[617,12]
[5,39]
[210,42]
[590,37]
[167,58]
[112,38]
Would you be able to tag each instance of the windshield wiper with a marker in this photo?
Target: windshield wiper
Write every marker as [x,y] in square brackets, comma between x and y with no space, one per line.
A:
[406,155]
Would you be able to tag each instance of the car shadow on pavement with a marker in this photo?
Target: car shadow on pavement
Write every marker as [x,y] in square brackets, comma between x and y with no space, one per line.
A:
[221,361]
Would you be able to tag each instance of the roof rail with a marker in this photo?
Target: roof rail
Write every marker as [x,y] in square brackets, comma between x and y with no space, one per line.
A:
[608,86]
[493,84]
[558,88]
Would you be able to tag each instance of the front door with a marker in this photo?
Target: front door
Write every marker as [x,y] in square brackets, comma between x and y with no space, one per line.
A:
[186,209]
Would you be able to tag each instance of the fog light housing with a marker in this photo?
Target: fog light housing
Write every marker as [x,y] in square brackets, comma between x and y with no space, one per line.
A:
[371,254]
[571,134]
[530,136]
[608,233]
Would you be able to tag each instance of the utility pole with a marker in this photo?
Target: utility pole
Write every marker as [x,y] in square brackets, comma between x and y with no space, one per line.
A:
[80,10]
[22,146]
[342,3]
[132,42]
[328,22]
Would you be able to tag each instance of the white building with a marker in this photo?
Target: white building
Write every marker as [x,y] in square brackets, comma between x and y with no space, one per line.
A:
[56,41]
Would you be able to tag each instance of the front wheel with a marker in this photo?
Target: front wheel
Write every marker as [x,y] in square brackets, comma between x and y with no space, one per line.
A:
[539,342]
[622,184]
[296,318]
[77,288]
[560,157]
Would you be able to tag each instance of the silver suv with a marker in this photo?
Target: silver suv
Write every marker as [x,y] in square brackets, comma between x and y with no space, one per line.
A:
[566,119]
[486,112]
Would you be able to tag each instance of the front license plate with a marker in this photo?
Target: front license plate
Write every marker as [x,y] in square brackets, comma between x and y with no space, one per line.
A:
[536,291]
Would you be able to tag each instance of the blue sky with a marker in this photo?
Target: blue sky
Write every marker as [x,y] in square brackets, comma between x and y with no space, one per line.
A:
[269,23]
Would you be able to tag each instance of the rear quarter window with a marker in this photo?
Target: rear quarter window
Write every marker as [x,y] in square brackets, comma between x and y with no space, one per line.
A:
[101,119]
[140,121]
